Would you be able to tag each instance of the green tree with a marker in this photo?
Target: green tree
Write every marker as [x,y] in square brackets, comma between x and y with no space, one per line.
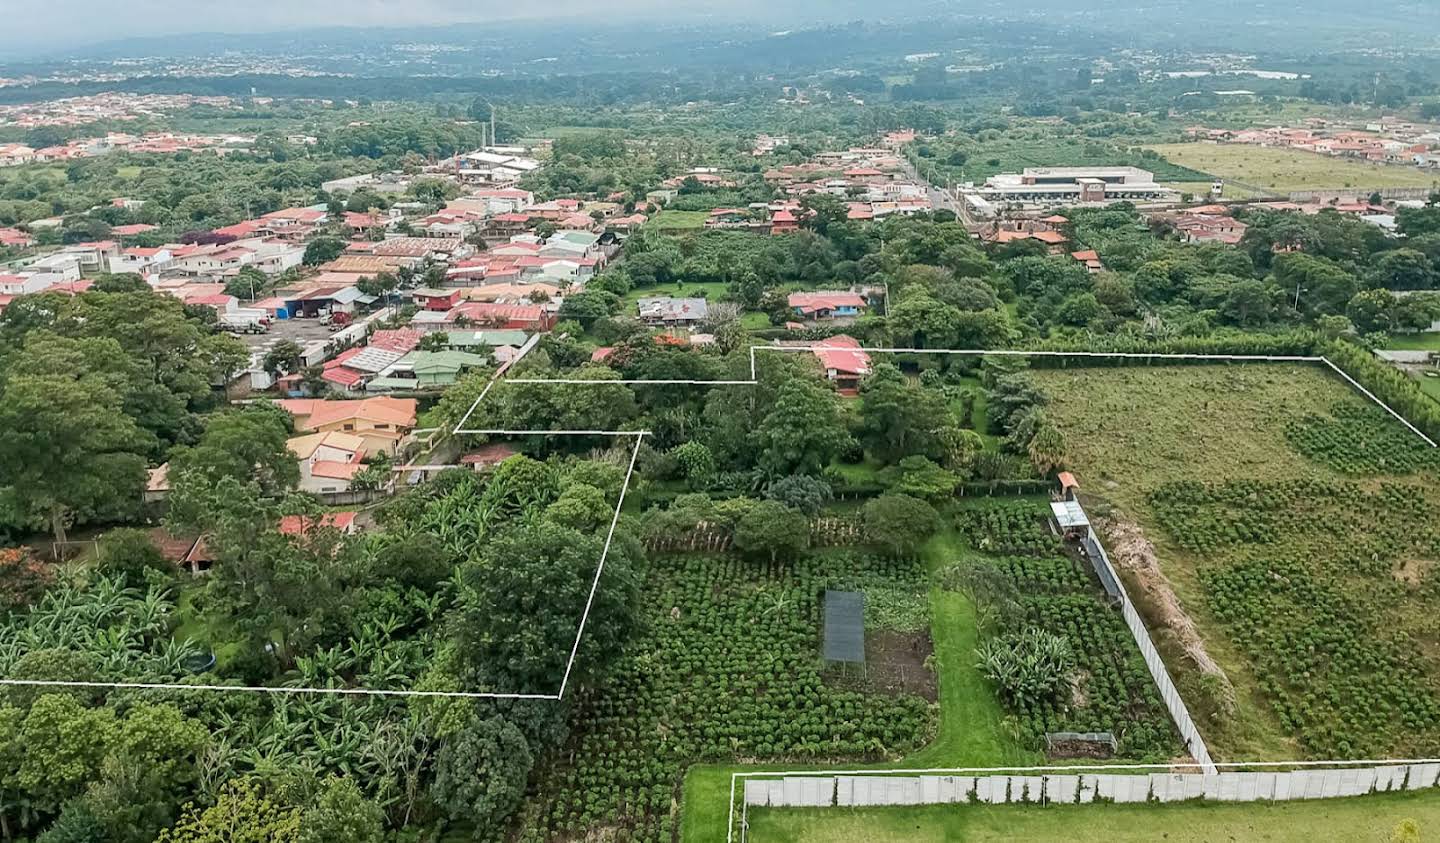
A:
[283,358]
[1404,269]
[802,492]
[898,417]
[128,553]
[921,478]
[68,452]
[341,812]
[899,523]
[519,601]
[64,743]
[803,432]
[771,530]
[323,250]
[480,774]
[1047,449]
[247,445]
[243,813]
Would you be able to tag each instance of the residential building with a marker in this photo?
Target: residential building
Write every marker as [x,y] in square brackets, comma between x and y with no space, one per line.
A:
[845,365]
[827,305]
[328,460]
[664,310]
[380,422]
[427,370]
[146,262]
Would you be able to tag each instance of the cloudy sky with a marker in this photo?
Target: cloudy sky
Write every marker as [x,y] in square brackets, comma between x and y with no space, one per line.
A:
[56,24]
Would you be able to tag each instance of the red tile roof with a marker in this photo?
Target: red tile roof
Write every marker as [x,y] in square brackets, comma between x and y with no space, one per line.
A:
[842,353]
[811,302]
[295,525]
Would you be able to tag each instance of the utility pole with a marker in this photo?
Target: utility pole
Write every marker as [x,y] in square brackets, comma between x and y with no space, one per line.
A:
[492,124]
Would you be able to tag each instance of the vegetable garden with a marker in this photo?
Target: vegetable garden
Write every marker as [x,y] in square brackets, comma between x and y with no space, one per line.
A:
[1061,657]
[726,668]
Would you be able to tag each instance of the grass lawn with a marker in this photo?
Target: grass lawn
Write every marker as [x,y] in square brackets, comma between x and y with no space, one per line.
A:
[1201,190]
[1289,169]
[1362,818]
[1415,342]
[755,321]
[708,290]
[674,220]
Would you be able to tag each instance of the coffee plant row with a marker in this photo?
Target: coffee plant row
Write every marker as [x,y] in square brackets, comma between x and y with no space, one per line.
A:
[1109,688]
[1329,588]
[727,669]
[1361,440]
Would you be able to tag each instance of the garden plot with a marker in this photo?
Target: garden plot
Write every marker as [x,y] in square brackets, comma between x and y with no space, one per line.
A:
[1060,656]
[728,668]
[1294,520]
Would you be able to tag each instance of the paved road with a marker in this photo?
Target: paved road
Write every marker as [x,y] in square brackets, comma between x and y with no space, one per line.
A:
[940,198]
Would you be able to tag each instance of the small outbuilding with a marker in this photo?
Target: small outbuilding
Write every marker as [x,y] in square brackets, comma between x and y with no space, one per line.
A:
[1070,518]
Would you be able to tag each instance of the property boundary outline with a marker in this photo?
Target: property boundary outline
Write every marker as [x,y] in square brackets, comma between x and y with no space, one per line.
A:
[639,436]
[881,772]
[630,471]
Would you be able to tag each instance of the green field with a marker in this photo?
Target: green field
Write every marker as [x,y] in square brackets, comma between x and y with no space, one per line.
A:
[678,220]
[1011,155]
[1261,488]
[1364,818]
[1201,190]
[1288,169]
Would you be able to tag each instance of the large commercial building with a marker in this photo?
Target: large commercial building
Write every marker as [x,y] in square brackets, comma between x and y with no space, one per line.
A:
[1046,186]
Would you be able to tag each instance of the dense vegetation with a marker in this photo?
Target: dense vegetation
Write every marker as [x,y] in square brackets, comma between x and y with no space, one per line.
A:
[1059,654]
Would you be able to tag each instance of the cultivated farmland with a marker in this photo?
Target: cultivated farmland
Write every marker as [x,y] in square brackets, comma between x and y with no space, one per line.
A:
[1288,169]
[1292,518]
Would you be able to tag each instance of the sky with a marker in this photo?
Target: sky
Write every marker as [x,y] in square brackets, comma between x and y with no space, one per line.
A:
[58,24]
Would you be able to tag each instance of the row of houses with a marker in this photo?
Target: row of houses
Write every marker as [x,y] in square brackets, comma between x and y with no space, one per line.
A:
[1364,145]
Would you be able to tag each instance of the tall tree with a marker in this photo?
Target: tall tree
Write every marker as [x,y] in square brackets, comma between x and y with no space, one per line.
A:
[521,600]
[68,452]
[803,432]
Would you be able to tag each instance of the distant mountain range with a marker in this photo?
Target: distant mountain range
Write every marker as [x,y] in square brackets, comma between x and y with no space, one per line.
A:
[640,26]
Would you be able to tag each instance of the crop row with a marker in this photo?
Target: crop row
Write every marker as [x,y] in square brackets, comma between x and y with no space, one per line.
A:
[727,669]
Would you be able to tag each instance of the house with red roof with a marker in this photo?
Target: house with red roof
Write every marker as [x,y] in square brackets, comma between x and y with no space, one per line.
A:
[827,305]
[300,525]
[328,461]
[487,457]
[844,363]
[783,222]
[15,238]
[438,300]
[381,422]
[518,317]
[1090,258]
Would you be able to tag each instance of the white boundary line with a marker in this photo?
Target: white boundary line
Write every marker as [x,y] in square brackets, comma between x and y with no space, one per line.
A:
[639,438]
[600,569]
[377,692]
[930,771]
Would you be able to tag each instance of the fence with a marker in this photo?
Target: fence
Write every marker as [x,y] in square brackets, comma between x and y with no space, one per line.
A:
[1168,692]
[1360,193]
[847,791]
